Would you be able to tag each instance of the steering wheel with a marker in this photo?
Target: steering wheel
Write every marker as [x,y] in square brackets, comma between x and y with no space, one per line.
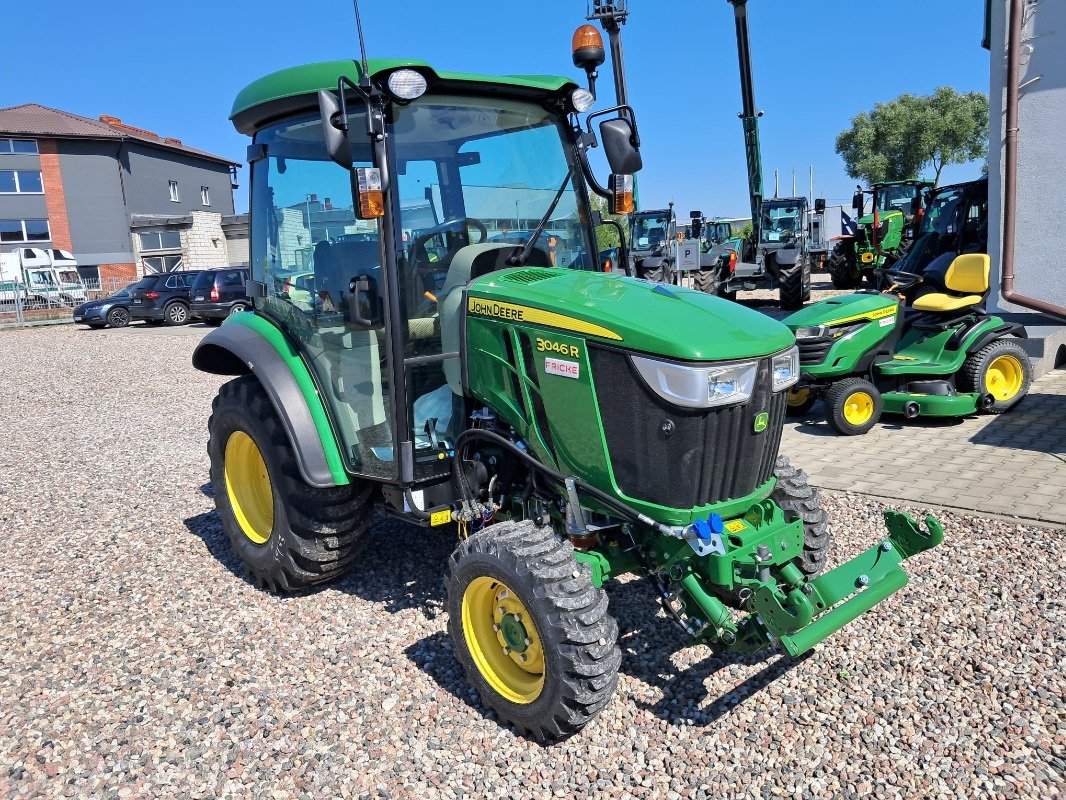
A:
[898,280]
[418,247]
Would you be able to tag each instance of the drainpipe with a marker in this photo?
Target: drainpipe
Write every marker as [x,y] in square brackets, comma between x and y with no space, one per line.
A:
[1010,170]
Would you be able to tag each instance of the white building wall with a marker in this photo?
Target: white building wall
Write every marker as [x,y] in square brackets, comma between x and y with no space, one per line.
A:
[1040,265]
[203,244]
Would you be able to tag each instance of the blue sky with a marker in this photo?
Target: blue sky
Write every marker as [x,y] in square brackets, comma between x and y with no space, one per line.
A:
[175,69]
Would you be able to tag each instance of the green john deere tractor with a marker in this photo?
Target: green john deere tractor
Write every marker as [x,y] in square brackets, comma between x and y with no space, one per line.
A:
[925,346]
[883,236]
[566,425]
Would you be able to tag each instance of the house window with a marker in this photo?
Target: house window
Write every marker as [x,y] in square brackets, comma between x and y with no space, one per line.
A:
[160,240]
[24,230]
[18,146]
[159,264]
[174,196]
[20,181]
[205,196]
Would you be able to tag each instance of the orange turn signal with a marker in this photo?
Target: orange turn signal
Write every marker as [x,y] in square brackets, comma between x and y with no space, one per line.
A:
[621,187]
[371,196]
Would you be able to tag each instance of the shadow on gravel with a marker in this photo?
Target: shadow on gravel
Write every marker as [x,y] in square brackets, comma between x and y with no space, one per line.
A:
[208,527]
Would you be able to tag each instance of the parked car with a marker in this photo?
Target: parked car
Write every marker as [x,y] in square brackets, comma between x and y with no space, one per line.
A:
[163,298]
[217,293]
[113,310]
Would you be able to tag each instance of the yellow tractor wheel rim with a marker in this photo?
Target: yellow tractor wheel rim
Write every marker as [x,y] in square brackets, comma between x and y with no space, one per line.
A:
[1004,378]
[248,487]
[503,640]
[858,408]
[797,397]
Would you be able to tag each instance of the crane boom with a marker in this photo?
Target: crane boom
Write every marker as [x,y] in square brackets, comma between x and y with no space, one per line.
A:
[749,116]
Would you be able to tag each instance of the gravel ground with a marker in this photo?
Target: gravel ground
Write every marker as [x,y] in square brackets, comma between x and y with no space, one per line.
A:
[136,659]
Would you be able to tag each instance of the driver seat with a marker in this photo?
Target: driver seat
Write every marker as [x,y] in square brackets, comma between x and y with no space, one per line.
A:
[965,285]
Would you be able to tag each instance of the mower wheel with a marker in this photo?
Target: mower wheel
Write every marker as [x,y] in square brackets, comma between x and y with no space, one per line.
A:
[792,288]
[799,400]
[530,629]
[1001,369]
[289,534]
[703,280]
[800,500]
[852,406]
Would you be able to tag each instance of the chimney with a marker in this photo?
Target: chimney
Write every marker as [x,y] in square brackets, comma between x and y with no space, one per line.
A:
[314,198]
[329,204]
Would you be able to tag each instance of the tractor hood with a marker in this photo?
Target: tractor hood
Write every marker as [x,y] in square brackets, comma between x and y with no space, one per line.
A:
[630,313]
[844,309]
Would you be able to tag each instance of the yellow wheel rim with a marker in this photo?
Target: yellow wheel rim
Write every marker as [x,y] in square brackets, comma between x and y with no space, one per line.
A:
[503,640]
[1004,377]
[858,408]
[248,487]
[797,397]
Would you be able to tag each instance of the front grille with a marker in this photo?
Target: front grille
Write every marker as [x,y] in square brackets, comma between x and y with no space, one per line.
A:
[710,456]
[813,351]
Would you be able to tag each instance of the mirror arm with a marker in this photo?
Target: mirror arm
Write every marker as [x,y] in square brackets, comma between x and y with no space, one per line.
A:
[629,114]
[584,142]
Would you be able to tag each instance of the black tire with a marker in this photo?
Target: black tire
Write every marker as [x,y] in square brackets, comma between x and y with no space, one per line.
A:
[703,281]
[792,287]
[974,375]
[847,411]
[842,268]
[118,317]
[316,534]
[799,401]
[577,637]
[656,275]
[237,308]
[799,500]
[175,313]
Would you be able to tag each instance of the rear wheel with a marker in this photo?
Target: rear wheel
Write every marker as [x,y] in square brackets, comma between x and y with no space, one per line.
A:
[841,267]
[853,406]
[290,535]
[118,317]
[799,400]
[531,631]
[176,314]
[237,308]
[1001,369]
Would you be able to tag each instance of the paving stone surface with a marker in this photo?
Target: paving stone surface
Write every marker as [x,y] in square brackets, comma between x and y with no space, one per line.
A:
[1010,465]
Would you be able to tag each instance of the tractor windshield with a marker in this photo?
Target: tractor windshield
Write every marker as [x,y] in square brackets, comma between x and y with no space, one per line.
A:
[781,222]
[719,231]
[650,231]
[896,198]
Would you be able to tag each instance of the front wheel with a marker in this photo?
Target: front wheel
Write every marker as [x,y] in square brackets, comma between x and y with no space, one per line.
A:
[118,317]
[799,400]
[799,500]
[853,406]
[530,630]
[793,287]
[1001,369]
[289,534]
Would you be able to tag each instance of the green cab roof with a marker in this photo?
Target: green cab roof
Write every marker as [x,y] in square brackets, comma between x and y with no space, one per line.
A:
[284,89]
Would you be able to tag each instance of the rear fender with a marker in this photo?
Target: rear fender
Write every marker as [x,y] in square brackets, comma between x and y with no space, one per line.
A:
[250,345]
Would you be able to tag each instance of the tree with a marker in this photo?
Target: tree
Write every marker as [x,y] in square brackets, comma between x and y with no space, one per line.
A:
[896,140]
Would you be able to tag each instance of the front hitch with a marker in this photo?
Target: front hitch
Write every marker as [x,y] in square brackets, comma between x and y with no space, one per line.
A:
[800,614]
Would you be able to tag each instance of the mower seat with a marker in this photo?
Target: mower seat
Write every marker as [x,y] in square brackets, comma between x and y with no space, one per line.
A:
[965,284]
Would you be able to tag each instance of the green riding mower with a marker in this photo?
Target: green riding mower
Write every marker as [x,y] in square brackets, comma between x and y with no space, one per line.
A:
[566,426]
[939,354]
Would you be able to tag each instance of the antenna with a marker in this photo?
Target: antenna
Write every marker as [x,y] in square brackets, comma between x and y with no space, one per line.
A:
[365,78]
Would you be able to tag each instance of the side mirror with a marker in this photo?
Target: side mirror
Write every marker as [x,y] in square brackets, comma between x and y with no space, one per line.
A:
[334,130]
[819,205]
[618,143]
[857,202]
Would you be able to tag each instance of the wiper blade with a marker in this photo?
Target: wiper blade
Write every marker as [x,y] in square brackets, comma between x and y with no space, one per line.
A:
[520,257]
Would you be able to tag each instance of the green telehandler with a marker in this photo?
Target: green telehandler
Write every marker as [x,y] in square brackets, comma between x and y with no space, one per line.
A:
[566,425]
[883,236]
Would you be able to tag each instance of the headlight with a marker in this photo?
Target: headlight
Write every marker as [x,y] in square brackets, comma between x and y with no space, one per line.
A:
[817,332]
[698,387]
[582,100]
[406,84]
[786,369]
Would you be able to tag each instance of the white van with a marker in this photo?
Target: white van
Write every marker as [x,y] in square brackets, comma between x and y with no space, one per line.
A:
[40,277]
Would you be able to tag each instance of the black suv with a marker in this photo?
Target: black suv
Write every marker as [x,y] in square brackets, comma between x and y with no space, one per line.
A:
[162,298]
[217,293]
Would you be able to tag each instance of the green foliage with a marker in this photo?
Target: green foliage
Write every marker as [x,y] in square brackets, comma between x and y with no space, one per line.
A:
[606,235]
[897,140]
[745,232]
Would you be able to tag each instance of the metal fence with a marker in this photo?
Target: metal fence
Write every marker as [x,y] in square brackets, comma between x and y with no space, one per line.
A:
[46,305]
